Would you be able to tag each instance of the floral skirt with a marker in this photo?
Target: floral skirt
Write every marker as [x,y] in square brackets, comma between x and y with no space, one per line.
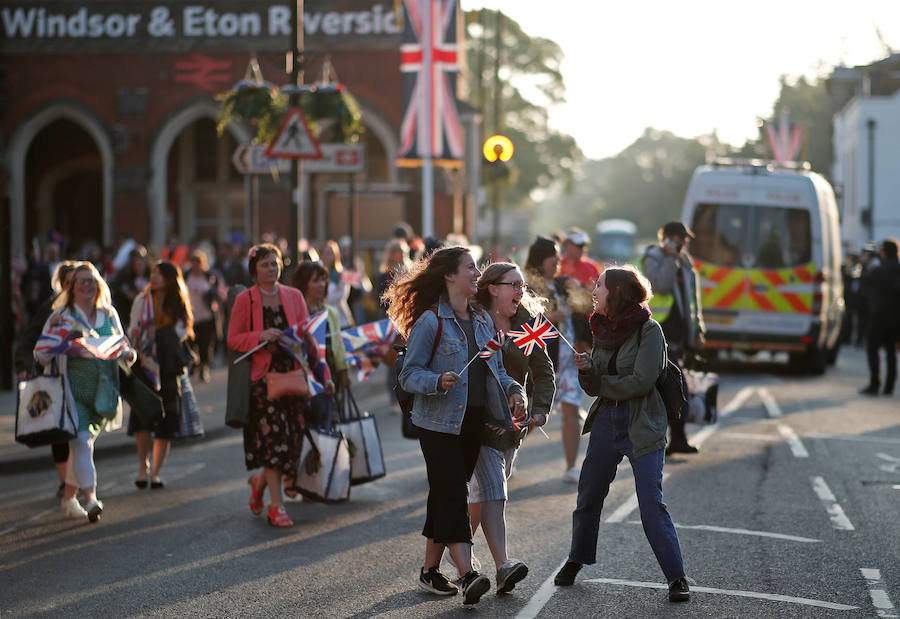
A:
[273,435]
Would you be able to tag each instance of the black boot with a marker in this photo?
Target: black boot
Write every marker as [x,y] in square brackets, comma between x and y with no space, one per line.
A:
[871,389]
[566,576]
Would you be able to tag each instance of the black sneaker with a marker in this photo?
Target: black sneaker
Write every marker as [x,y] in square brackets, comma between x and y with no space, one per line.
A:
[435,582]
[679,591]
[508,576]
[474,585]
[566,576]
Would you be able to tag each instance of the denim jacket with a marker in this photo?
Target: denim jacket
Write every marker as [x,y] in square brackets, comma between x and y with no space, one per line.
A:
[443,411]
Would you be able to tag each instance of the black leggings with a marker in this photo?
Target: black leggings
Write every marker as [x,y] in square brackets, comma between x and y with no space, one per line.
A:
[450,461]
[60,452]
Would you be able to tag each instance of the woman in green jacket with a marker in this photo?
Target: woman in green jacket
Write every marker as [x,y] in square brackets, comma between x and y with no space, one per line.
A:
[628,419]
[503,294]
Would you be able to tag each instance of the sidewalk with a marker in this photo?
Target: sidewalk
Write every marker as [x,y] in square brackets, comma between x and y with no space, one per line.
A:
[15,458]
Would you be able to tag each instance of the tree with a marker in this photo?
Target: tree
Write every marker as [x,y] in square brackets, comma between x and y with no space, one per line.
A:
[530,82]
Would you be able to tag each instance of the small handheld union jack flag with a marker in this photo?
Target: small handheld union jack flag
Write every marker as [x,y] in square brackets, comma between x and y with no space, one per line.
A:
[533,333]
[493,345]
[293,341]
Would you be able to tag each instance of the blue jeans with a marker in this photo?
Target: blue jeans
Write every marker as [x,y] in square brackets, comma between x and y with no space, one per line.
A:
[608,444]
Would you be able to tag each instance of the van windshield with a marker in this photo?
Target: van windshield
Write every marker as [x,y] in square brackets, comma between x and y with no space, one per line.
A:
[750,236]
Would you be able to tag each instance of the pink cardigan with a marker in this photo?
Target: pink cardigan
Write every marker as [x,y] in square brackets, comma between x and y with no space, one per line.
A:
[242,339]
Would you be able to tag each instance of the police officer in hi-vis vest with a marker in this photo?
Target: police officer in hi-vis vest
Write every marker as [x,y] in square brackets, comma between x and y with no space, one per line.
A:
[676,305]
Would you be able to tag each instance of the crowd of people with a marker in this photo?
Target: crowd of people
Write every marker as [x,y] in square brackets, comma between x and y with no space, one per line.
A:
[617,328]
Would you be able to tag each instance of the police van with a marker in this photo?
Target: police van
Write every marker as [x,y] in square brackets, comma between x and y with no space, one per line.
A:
[768,253]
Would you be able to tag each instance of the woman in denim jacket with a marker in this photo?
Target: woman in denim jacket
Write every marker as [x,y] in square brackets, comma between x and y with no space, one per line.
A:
[450,410]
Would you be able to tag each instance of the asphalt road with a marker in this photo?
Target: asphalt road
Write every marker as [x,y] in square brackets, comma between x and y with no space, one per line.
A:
[791,509]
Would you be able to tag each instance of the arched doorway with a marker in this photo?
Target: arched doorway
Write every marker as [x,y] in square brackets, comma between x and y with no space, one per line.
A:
[64,186]
[194,190]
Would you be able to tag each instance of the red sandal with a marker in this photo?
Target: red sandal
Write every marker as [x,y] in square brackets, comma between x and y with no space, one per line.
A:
[278,517]
[256,496]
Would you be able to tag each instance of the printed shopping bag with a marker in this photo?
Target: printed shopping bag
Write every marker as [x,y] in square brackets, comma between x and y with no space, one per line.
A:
[191,426]
[703,395]
[361,432]
[42,413]
[323,471]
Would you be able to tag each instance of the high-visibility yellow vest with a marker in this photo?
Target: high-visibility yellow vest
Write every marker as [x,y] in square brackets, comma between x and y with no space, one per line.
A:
[660,303]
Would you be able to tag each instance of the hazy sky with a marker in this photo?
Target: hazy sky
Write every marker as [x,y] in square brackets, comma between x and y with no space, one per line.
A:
[692,66]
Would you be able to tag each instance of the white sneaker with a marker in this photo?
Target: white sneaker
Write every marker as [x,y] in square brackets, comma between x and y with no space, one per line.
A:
[94,509]
[72,508]
[571,476]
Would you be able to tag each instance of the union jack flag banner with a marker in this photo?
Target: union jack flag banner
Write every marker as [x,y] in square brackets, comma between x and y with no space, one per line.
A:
[294,342]
[533,333]
[366,345]
[445,144]
[493,345]
[67,338]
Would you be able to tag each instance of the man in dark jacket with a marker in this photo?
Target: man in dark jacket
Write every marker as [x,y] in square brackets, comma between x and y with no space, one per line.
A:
[883,286]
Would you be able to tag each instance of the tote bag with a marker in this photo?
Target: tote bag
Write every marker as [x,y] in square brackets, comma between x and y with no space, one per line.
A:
[361,432]
[191,426]
[42,413]
[323,471]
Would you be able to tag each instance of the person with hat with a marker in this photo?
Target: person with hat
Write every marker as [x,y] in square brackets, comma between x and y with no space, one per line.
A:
[574,263]
[676,305]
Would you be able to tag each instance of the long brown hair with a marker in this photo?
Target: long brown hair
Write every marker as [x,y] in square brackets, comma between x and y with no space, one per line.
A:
[420,287]
[177,302]
[627,287]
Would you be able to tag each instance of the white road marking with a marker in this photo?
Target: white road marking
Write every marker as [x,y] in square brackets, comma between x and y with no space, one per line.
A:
[859,439]
[9,530]
[736,531]
[747,436]
[736,402]
[541,597]
[793,441]
[836,513]
[188,471]
[775,597]
[42,514]
[896,486]
[774,412]
[878,593]
[893,465]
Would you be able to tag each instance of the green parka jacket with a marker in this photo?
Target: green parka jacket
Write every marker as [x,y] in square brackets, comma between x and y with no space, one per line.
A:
[637,369]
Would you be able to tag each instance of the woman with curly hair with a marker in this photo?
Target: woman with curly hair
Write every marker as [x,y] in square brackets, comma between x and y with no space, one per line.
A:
[430,306]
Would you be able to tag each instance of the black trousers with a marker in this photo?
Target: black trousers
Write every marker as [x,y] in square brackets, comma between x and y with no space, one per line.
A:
[882,336]
[205,340]
[450,461]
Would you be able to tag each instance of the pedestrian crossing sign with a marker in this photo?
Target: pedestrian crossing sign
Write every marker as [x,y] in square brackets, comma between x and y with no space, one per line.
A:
[294,140]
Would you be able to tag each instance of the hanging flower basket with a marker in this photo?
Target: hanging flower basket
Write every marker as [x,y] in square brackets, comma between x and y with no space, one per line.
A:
[258,103]
[332,112]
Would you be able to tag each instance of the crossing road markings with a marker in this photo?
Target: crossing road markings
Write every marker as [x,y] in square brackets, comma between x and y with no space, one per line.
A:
[774,597]
[543,595]
[878,593]
[893,463]
[836,513]
[716,529]
[774,412]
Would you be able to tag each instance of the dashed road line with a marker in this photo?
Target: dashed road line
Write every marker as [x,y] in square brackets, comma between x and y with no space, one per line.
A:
[739,531]
[836,513]
[775,597]
[698,438]
[541,597]
[774,412]
[878,592]
[40,515]
[9,530]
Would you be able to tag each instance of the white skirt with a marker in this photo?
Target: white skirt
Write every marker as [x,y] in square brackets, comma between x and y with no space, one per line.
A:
[493,468]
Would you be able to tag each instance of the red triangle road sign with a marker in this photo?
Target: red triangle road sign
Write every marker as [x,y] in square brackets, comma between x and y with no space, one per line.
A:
[294,140]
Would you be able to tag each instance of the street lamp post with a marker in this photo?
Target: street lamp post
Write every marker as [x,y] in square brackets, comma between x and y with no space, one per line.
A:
[296,68]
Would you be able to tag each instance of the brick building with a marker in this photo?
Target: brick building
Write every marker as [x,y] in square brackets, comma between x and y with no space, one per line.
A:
[108,121]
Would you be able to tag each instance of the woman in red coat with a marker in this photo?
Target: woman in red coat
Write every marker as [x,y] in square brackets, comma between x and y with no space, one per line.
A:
[273,433]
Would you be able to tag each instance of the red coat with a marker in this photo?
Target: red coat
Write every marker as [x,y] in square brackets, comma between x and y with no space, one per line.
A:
[242,339]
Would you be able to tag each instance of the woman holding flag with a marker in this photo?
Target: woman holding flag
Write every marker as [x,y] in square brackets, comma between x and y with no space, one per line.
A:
[162,321]
[503,294]
[84,310]
[628,418]
[429,304]
[273,433]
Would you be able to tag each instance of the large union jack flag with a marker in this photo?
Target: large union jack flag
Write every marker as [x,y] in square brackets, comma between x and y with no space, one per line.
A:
[366,345]
[533,333]
[294,341]
[446,139]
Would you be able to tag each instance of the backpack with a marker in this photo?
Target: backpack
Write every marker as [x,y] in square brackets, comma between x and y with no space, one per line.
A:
[404,398]
[672,387]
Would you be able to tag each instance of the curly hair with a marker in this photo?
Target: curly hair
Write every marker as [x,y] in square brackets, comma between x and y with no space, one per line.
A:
[627,287]
[420,287]
[533,304]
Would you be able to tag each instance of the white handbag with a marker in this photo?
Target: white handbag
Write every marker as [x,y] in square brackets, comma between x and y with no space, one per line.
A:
[361,431]
[42,413]
[703,395]
[323,471]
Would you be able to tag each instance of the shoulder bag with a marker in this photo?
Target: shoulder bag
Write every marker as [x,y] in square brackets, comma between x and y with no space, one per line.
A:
[42,412]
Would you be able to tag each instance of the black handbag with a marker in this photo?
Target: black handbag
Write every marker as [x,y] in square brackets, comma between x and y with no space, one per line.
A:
[145,403]
[672,388]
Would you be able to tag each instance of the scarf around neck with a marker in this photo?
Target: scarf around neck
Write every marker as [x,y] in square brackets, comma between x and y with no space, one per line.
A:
[610,333]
